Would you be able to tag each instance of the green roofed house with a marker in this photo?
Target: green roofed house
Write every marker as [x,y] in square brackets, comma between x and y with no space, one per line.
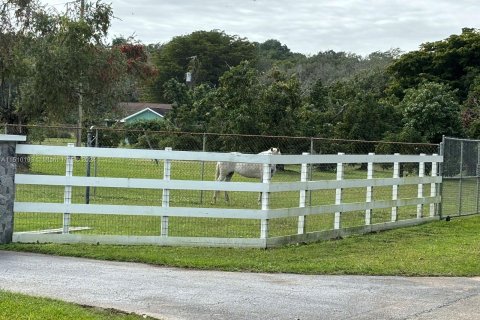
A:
[138,111]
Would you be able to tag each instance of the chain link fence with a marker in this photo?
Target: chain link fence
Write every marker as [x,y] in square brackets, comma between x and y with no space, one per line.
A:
[202,171]
[212,142]
[461,176]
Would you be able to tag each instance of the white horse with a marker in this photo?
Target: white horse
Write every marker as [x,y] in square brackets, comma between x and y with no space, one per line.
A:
[224,171]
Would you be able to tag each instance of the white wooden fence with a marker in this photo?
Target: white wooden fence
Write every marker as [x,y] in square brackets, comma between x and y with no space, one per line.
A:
[264,214]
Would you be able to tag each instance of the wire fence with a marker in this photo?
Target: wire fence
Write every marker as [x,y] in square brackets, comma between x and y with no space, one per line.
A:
[201,171]
[461,174]
[190,141]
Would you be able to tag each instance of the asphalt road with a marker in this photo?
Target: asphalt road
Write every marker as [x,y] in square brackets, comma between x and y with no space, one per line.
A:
[170,293]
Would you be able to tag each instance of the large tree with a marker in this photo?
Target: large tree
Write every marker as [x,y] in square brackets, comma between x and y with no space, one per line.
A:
[74,75]
[471,111]
[18,20]
[430,111]
[237,104]
[273,53]
[205,54]
[454,61]
[56,66]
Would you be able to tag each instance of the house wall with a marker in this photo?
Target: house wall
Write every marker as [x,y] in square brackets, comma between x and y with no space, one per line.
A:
[147,115]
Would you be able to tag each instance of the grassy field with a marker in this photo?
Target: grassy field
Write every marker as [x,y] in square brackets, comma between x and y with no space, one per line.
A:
[22,307]
[194,227]
[435,249]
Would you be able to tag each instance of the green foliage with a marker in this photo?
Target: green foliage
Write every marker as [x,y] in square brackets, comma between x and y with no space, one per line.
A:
[272,53]
[138,133]
[430,111]
[352,109]
[17,24]
[454,61]
[237,108]
[281,101]
[470,114]
[330,66]
[192,108]
[245,105]
[206,54]
[52,64]
[72,66]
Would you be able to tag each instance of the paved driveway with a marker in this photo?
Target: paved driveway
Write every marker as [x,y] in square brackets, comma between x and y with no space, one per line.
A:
[170,293]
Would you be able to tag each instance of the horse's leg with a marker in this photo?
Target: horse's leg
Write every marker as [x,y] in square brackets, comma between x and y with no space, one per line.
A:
[218,177]
[260,194]
[228,178]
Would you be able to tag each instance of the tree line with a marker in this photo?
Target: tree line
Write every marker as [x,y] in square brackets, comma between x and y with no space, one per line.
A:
[413,97]
[51,64]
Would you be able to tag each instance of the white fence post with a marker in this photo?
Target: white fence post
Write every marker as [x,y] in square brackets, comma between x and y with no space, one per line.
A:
[338,194]
[396,174]
[67,195]
[167,166]
[421,174]
[303,196]
[368,198]
[433,187]
[267,175]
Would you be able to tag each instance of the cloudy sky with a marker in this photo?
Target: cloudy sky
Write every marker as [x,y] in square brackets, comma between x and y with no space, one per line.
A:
[306,26]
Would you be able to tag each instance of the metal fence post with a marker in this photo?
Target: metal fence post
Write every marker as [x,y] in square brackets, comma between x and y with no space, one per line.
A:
[166,195]
[338,195]
[433,187]
[368,198]
[89,160]
[303,197]
[67,195]
[440,173]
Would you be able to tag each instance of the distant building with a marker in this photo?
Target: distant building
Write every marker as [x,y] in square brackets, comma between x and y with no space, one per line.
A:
[137,111]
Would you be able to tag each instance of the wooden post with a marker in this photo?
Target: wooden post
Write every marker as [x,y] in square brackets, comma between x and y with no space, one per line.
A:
[267,175]
[368,198]
[165,195]
[433,188]
[303,196]
[67,195]
[338,194]
[396,174]
[421,174]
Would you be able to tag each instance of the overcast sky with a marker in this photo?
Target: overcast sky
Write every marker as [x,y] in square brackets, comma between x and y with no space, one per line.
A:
[306,26]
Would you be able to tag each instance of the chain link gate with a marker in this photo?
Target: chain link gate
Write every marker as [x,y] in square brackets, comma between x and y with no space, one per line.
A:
[461,177]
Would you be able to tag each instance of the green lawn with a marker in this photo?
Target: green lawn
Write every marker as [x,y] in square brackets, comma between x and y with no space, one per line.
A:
[22,307]
[435,249]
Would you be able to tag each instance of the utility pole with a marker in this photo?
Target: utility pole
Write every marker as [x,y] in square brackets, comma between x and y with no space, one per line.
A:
[80,88]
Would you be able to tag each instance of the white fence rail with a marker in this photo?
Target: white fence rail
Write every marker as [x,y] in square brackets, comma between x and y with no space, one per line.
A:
[304,187]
